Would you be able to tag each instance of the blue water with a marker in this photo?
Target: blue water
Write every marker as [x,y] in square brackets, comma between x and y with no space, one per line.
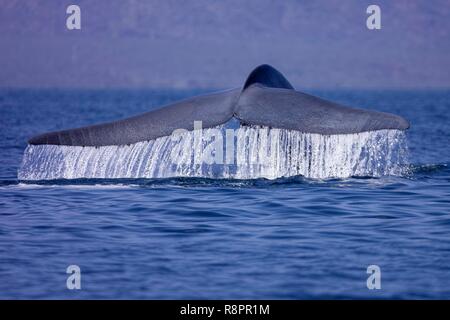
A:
[290,238]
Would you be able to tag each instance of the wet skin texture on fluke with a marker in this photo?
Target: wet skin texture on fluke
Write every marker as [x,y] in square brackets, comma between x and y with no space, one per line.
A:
[266,99]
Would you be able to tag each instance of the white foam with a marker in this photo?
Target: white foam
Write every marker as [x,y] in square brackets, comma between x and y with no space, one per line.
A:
[256,152]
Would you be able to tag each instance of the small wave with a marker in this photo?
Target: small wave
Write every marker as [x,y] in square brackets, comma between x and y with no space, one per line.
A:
[198,182]
[8,182]
[428,168]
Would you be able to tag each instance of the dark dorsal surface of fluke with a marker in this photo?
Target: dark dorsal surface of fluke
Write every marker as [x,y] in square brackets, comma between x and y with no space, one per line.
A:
[266,99]
[267,76]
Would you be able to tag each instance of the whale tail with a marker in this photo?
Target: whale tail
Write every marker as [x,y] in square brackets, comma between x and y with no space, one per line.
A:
[281,132]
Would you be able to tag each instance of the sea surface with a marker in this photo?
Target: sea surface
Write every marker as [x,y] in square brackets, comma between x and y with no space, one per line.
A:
[193,238]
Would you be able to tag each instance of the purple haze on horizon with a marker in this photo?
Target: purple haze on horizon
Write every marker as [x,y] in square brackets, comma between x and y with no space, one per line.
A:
[215,44]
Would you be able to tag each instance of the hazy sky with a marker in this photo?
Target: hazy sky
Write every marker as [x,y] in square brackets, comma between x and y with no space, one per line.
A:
[207,43]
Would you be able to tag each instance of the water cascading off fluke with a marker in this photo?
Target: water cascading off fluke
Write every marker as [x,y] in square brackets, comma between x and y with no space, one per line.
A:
[247,152]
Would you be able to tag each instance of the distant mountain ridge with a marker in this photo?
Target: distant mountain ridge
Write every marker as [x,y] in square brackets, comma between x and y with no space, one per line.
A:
[215,43]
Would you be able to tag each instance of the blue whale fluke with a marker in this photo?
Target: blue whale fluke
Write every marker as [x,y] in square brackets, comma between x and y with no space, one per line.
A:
[266,99]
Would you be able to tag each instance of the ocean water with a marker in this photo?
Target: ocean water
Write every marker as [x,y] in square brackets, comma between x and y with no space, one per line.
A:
[287,238]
